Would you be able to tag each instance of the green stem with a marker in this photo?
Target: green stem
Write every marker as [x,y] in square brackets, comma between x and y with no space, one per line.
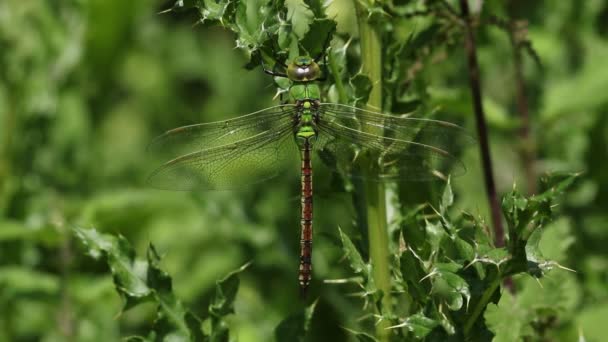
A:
[481,304]
[333,66]
[371,66]
[6,139]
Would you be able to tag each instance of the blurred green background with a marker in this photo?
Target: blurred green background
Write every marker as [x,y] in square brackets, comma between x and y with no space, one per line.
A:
[85,85]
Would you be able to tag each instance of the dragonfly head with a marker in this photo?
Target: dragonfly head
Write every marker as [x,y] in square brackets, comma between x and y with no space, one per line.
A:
[303,69]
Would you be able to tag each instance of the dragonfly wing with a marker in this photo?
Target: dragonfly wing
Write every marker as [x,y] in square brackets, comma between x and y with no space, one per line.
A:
[402,148]
[193,138]
[231,166]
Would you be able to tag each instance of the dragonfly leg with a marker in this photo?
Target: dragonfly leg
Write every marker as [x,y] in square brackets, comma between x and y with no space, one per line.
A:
[272,72]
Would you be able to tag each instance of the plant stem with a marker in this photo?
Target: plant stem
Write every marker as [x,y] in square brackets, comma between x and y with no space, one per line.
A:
[8,127]
[527,150]
[482,130]
[371,66]
[527,143]
[481,304]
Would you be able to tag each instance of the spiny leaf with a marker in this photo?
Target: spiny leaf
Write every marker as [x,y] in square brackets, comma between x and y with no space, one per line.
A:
[494,256]
[352,254]
[412,273]
[361,336]
[449,286]
[525,216]
[128,273]
[212,10]
[225,293]
[447,199]
[556,183]
[465,250]
[372,11]
[170,308]
[418,324]
[139,280]
[250,18]
[434,234]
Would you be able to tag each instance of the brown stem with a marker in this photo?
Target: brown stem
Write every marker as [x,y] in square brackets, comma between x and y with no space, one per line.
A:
[527,149]
[482,130]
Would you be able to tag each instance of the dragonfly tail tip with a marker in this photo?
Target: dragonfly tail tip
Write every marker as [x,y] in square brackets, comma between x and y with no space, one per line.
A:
[303,292]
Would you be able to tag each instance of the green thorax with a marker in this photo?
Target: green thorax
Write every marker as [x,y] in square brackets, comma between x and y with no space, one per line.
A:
[301,91]
[303,72]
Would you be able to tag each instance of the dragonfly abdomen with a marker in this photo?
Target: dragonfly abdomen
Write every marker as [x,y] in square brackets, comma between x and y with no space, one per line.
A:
[305,274]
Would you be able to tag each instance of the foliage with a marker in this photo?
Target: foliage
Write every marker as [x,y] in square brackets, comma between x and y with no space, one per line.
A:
[85,85]
[456,268]
[139,281]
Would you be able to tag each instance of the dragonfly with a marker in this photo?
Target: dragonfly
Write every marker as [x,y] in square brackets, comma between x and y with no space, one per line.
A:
[256,147]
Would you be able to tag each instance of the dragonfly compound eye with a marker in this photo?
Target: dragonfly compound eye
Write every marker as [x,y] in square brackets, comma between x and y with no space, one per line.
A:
[303,70]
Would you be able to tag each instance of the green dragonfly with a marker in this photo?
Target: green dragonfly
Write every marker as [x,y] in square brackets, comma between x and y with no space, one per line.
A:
[234,153]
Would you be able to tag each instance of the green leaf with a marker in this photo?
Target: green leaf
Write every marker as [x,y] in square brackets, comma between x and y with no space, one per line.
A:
[170,308]
[555,184]
[421,38]
[361,87]
[412,273]
[300,17]
[493,256]
[361,336]
[138,281]
[352,254]
[250,17]
[507,320]
[225,293]
[465,250]
[296,326]
[447,199]
[128,273]
[210,9]
[317,7]
[525,216]
[315,40]
[449,286]
[419,324]
[434,234]
[373,12]
[557,239]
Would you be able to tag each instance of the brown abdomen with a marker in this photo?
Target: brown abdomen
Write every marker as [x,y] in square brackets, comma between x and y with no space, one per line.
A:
[305,274]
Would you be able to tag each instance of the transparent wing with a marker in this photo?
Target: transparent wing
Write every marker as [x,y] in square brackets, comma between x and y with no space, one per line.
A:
[229,166]
[401,148]
[193,138]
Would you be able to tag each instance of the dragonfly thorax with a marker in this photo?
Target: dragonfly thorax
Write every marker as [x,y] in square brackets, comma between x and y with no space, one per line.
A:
[305,91]
[303,69]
